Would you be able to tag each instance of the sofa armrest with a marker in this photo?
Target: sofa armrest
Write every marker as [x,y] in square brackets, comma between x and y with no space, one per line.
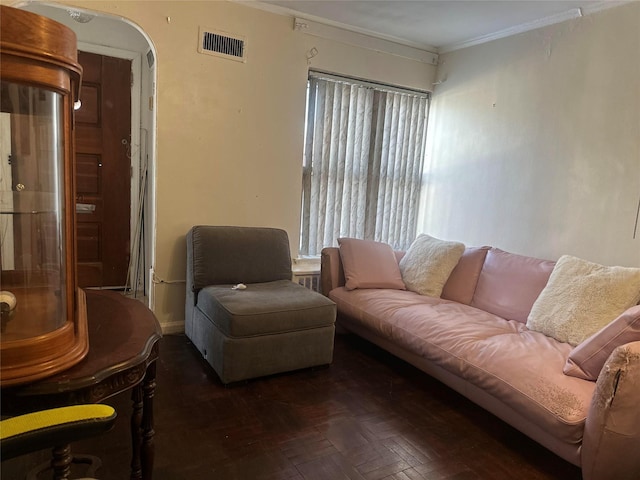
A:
[331,271]
[611,439]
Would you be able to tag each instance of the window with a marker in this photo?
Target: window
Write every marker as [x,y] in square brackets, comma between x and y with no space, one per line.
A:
[364,154]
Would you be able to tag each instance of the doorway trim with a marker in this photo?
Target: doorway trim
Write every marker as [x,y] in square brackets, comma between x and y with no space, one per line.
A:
[135,147]
[143,130]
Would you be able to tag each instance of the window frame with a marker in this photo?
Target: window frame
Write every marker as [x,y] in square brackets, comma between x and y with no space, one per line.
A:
[378,90]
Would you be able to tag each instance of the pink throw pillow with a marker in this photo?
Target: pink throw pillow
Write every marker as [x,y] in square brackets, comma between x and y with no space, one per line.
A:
[463,279]
[369,264]
[587,359]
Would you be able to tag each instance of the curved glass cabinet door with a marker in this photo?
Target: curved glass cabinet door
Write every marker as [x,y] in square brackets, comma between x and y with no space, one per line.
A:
[32,283]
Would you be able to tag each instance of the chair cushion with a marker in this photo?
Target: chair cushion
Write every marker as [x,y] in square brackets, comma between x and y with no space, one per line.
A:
[230,255]
[265,308]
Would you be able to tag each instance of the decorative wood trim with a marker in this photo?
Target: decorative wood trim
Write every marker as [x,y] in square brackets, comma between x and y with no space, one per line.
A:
[31,359]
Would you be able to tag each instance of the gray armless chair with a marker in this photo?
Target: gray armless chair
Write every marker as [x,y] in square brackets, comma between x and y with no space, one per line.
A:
[272,326]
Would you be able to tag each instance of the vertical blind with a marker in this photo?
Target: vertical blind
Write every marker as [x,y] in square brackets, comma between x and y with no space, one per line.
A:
[364,156]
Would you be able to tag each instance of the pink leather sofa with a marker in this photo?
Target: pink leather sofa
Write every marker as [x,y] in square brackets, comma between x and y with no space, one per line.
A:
[474,339]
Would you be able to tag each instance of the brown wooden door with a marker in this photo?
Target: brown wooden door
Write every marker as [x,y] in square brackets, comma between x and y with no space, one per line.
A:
[103,171]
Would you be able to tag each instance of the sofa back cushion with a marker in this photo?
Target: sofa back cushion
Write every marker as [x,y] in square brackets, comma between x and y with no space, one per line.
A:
[509,284]
[462,282]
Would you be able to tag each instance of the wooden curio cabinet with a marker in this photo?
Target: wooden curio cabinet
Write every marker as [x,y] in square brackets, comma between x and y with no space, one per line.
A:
[44,325]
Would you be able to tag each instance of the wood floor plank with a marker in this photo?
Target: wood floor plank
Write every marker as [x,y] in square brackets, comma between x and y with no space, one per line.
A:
[330,467]
[368,416]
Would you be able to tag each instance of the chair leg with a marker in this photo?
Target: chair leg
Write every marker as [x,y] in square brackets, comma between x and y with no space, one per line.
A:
[61,462]
[90,463]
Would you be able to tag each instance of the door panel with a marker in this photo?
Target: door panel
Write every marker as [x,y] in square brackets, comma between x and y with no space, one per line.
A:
[88,172]
[103,171]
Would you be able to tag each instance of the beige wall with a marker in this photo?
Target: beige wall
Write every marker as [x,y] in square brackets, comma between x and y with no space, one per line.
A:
[229,134]
[535,138]
[536,141]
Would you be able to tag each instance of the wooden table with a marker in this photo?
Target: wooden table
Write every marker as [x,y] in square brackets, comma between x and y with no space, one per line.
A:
[123,347]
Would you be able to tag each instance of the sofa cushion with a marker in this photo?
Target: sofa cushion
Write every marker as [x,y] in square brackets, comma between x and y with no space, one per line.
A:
[372,308]
[428,264]
[524,371]
[426,326]
[519,368]
[582,297]
[369,264]
[462,282]
[265,308]
[509,284]
[588,358]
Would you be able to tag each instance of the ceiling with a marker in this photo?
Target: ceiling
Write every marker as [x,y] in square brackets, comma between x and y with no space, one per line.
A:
[438,25]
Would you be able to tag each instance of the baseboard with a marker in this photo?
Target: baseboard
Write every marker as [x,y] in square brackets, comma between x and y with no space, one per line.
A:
[172,328]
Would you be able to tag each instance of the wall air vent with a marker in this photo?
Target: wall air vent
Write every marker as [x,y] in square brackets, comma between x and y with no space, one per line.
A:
[222,44]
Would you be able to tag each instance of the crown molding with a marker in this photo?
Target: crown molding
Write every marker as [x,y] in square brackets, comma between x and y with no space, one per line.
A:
[350,37]
[508,32]
[540,23]
[604,5]
[364,38]
[349,34]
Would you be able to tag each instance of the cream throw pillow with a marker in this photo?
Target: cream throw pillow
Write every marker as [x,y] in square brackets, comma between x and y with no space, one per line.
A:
[428,263]
[582,297]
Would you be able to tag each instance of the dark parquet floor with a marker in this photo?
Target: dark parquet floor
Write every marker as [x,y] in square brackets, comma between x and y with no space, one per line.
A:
[367,416]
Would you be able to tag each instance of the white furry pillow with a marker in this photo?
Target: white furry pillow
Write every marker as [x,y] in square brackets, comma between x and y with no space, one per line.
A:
[582,297]
[428,263]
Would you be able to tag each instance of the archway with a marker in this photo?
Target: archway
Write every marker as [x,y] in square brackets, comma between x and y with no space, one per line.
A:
[103,34]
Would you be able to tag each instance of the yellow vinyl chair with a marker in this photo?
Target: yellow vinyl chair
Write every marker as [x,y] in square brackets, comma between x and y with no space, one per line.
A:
[56,428]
